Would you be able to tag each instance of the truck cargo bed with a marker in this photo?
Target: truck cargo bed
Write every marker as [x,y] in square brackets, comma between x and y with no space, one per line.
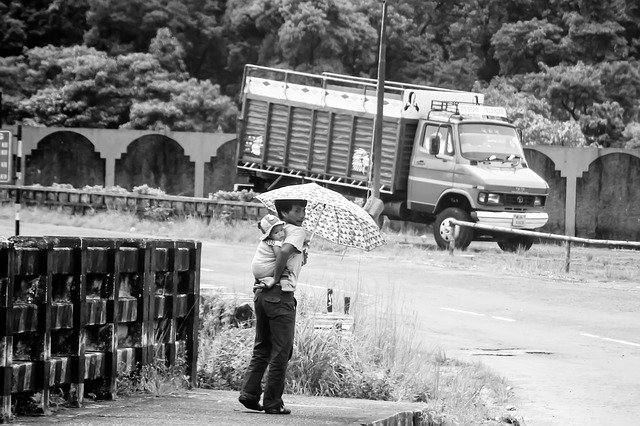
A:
[321,134]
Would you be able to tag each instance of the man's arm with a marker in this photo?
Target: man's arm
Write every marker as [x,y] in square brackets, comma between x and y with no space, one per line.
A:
[287,251]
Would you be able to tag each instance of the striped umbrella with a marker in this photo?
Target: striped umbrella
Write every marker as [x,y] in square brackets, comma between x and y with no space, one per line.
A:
[330,215]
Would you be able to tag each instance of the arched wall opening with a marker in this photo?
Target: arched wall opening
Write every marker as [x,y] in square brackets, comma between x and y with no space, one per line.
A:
[64,157]
[157,161]
[608,199]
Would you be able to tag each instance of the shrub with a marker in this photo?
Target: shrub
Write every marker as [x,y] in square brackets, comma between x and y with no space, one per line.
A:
[147,190]
[242,195]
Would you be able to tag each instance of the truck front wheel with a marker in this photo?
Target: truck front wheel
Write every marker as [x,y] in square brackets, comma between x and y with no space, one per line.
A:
[443,230]
[515,244]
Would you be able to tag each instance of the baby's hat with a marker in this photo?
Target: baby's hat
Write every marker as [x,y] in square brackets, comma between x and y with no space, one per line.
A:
[267,223]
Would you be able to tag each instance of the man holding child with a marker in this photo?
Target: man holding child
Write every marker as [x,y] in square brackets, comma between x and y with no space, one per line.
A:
[275,311]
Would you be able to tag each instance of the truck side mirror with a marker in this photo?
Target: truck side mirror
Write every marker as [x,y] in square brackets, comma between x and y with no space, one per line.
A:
[434,145]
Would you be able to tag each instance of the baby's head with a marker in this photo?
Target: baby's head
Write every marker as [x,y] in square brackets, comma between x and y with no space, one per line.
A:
[271,227]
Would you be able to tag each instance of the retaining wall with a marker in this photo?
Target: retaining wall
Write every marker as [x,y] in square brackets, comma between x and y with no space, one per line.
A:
[80,311]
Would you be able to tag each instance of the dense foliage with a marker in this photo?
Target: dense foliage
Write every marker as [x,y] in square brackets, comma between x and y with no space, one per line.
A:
[568,70]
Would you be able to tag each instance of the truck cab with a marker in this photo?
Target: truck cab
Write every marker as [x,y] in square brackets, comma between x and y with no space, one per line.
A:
[468,164]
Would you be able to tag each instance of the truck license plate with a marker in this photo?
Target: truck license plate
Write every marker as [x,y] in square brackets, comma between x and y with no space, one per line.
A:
[519,220]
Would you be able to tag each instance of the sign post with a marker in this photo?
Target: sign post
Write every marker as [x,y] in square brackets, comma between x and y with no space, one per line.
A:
[6,157]
[18,178]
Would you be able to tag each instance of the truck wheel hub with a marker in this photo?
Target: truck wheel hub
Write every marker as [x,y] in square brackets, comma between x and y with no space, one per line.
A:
[446,230]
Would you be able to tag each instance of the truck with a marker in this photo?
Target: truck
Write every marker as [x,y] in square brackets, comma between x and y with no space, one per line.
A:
[445,155]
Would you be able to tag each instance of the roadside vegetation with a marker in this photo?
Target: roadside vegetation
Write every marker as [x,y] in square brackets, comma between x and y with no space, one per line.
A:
[544,260]
[381,359]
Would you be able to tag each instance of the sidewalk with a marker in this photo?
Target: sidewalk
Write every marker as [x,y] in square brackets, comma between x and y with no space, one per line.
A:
[203,406]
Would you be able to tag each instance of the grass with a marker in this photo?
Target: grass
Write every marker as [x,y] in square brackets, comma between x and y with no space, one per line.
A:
[381,360]
[588,264]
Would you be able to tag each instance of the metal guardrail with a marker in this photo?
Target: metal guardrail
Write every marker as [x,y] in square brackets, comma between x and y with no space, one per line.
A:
[567,239]
[80,201]
[77,312]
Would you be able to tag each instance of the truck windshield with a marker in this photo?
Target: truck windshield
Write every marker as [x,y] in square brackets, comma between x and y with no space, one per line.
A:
[483,142]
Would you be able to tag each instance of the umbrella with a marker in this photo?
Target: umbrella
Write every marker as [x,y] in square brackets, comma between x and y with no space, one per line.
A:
[330,215]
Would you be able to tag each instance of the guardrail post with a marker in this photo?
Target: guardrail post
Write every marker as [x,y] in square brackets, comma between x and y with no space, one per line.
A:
[567,260]
[193,317]
[452,241]
[6,328]
[347,305]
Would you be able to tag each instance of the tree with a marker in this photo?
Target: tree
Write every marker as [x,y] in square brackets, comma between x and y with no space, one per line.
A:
[595,41]
[35,23]
[602,124]
[317,32]
[569,89]
[191,105]
[127,26]
[532,115]
[519,47]
[83,87]
[621,81]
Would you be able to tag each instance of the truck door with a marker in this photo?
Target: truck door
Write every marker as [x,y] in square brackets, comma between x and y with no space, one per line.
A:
[430,175]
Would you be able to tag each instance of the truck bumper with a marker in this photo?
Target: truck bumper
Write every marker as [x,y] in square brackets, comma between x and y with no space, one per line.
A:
[530,220]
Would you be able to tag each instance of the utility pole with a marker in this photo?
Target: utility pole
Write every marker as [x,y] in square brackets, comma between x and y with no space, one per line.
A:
[376,148]
[374,205]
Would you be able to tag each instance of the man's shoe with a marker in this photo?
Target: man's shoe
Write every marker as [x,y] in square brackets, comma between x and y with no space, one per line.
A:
[278,410]
[251,405]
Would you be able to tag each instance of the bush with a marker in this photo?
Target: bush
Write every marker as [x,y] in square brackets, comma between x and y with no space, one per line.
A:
[244,195]
[156,379]
[147,190]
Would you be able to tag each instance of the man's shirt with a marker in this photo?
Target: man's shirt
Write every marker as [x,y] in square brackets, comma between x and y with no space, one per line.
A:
[295,236]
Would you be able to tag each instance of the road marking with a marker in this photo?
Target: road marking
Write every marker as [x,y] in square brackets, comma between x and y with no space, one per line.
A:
[325,288]
[590,335]
[460,311]
[607,339]
[504,319]
[624,342]
[477,314]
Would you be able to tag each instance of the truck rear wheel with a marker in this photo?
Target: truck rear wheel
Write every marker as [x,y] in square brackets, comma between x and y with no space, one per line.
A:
[515,244]
[443,230]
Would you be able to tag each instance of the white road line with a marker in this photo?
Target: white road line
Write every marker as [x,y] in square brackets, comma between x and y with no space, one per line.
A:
[477,314]
[504,319]
[463,312]
[324,288]
[624,342]
[590,335]
[607,339]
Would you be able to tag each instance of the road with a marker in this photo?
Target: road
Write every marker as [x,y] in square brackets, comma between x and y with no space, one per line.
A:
[571,350]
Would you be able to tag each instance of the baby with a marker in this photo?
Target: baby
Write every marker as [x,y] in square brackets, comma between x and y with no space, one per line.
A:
[264,261]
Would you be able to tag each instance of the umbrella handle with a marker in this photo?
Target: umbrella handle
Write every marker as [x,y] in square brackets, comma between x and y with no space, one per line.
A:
[317,221]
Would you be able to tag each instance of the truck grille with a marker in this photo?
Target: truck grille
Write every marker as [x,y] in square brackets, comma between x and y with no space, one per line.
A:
[518,200]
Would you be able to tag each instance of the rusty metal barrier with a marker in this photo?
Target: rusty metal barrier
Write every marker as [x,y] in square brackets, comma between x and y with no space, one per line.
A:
[542,235]
[78,310]
[79,201]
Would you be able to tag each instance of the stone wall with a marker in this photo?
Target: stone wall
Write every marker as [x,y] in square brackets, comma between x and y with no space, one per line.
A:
[594,192]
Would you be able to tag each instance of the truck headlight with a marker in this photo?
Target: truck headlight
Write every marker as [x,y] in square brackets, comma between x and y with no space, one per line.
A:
[488,198]
[538,201]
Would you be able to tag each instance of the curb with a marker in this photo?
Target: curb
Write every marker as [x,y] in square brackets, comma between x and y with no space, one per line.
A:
[403,418]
